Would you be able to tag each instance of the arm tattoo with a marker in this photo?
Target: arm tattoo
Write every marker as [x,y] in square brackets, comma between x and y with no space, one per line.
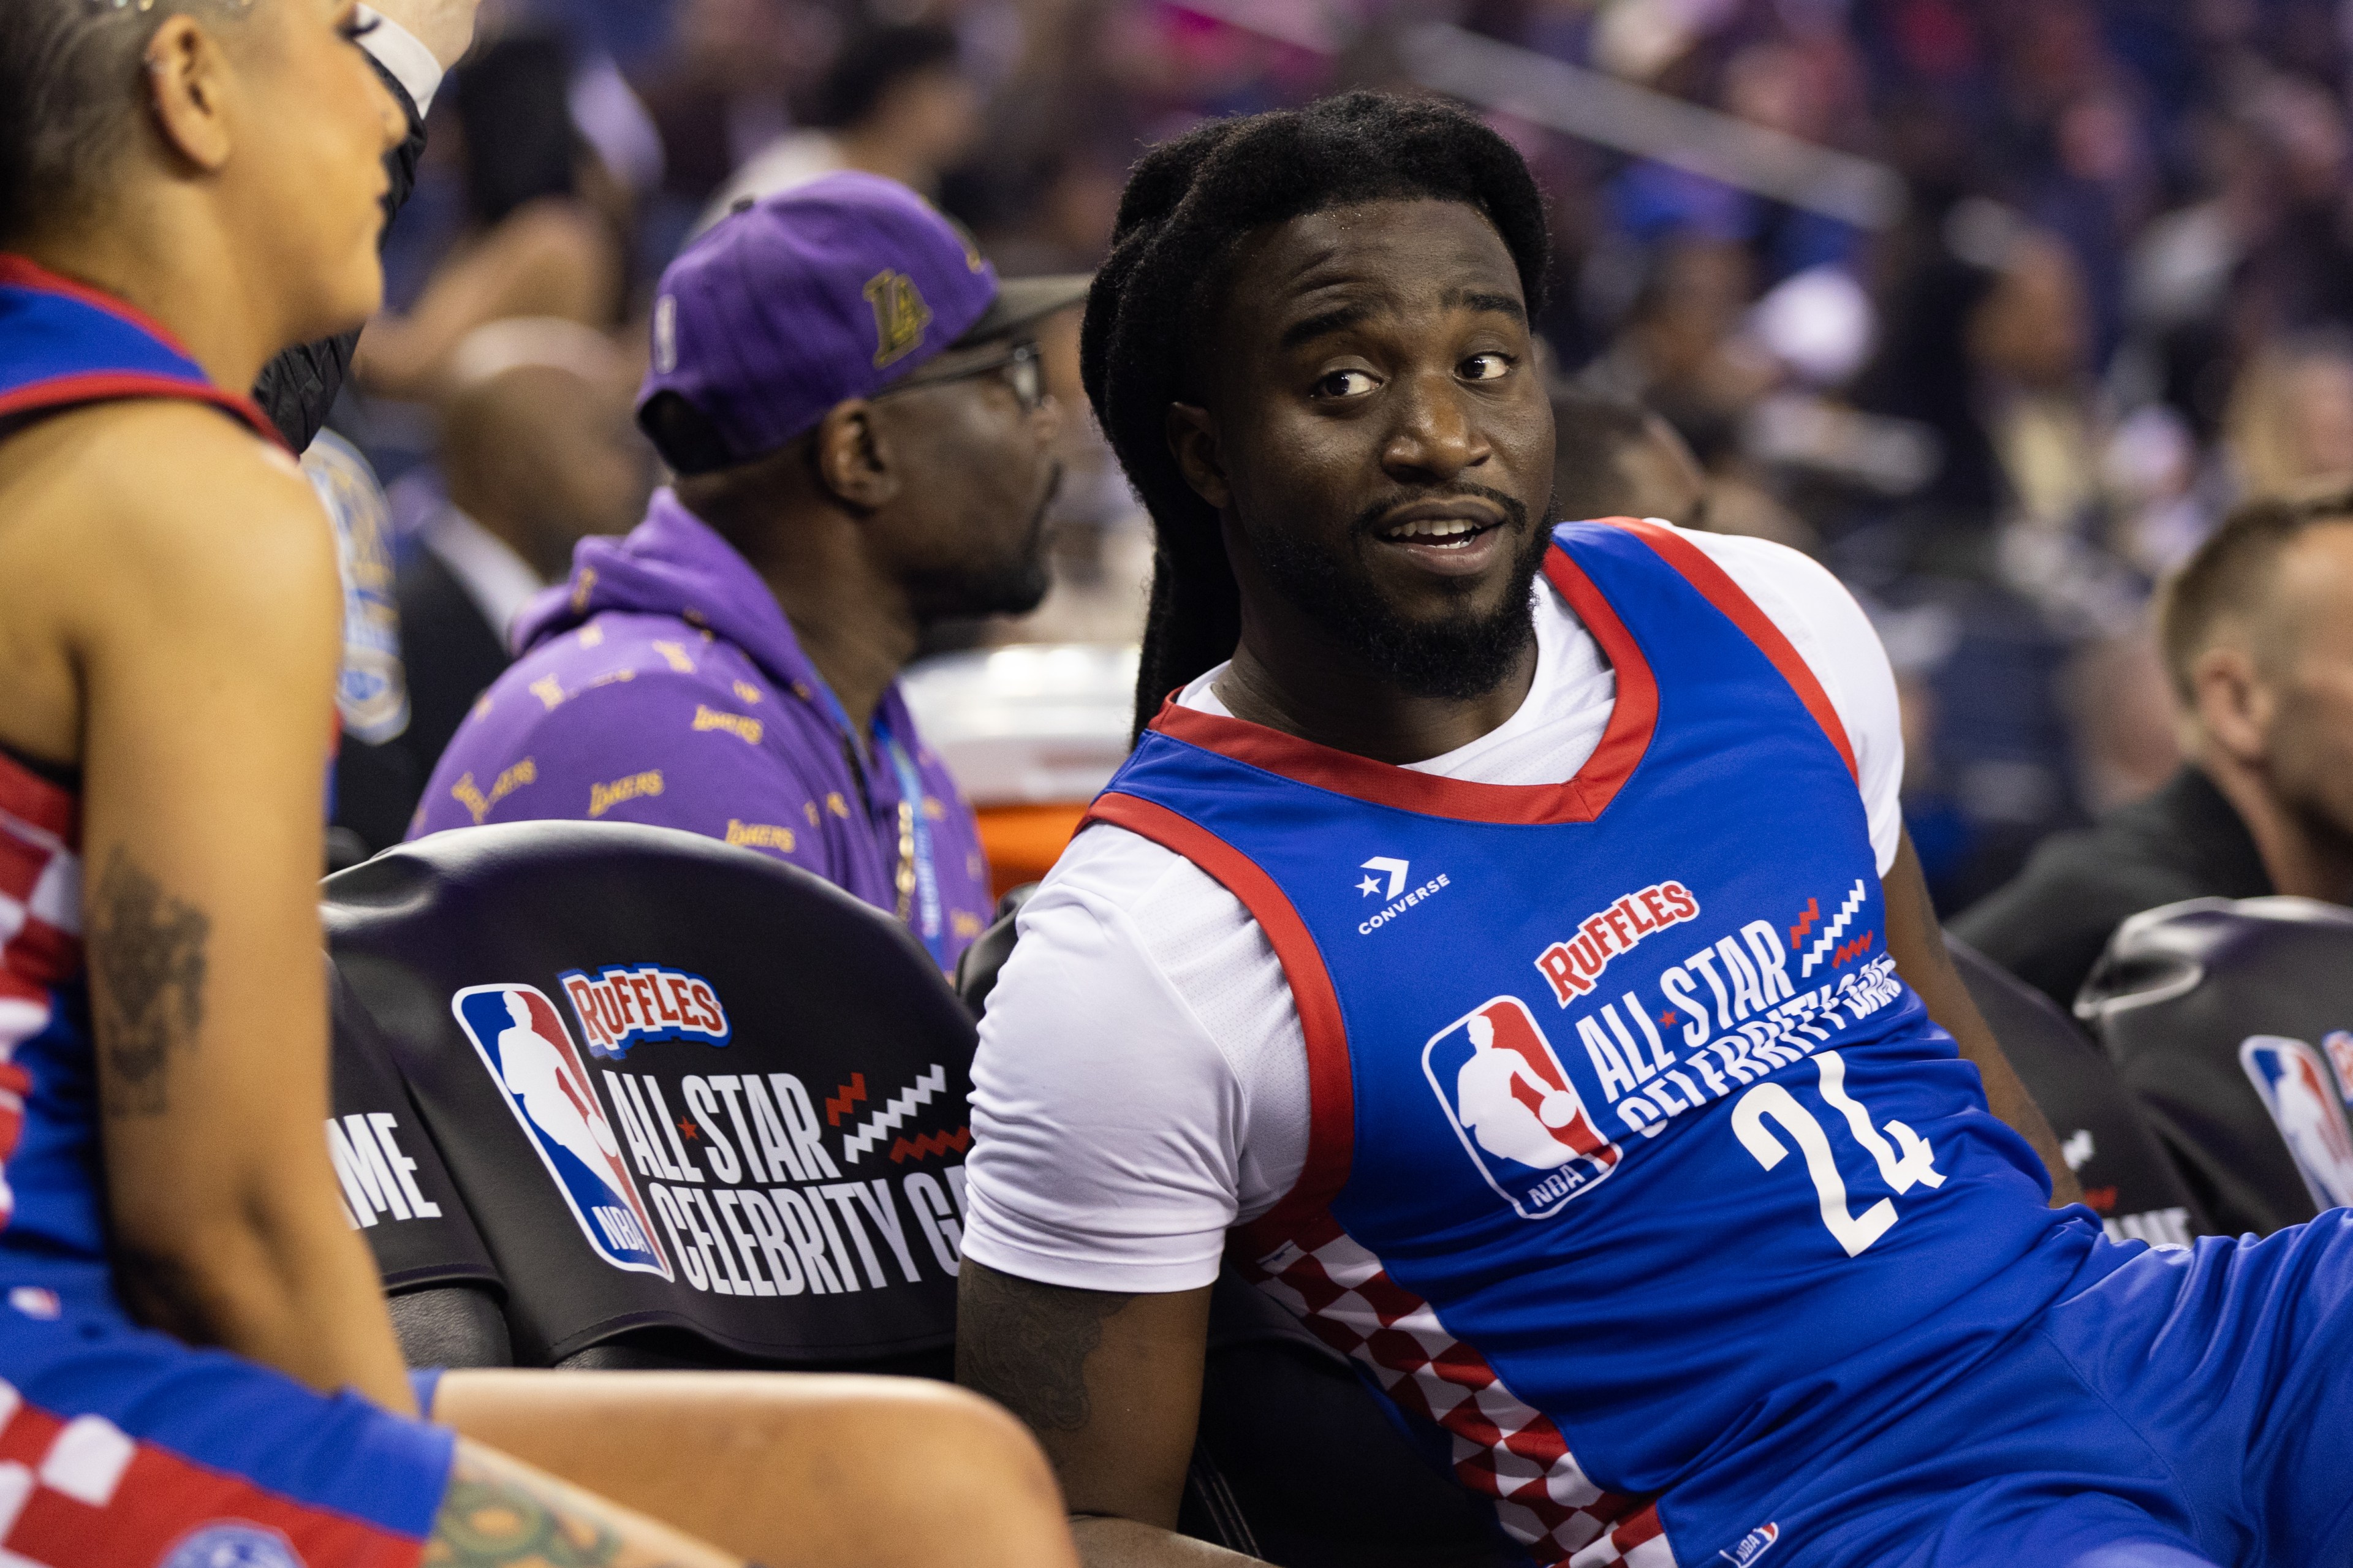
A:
[1025,1345]
[147,954]
[492,1519]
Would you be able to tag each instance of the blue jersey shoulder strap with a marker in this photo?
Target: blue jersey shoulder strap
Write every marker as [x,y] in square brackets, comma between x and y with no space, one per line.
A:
[62,345]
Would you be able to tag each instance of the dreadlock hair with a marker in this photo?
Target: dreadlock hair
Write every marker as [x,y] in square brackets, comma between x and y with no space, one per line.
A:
[71,82]
[1188,204]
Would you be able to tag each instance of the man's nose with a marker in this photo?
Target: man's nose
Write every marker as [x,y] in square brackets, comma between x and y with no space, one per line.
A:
[1434,436]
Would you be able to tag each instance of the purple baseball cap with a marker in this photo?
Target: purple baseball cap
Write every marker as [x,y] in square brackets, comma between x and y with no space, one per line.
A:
[830,290]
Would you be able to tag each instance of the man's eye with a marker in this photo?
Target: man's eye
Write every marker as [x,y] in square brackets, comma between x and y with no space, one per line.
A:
[1486,367]
[1344,384]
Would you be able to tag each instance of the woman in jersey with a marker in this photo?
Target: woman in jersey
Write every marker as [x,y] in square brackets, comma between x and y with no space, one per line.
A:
[187,186]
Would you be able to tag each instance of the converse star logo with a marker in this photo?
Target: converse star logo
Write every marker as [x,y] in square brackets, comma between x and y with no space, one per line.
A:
[1396,898]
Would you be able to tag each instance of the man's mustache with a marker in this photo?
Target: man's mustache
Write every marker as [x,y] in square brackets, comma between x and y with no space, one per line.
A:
[1369,521]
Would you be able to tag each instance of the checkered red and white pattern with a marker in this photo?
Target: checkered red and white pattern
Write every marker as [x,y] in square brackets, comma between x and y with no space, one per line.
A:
[1503,1446]
[79,1492]
[40,932]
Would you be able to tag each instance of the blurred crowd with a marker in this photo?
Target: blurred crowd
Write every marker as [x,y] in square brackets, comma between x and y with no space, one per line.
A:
[2111,297]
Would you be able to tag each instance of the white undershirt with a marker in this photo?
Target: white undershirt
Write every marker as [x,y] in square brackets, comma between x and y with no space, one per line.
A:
[1142,1080]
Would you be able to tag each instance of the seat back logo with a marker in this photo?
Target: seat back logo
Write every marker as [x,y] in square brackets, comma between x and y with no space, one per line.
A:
[1513,1107]
[2305,1101]
[530,1056]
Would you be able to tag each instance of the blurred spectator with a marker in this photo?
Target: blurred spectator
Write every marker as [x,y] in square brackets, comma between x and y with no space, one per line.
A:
[537,453]
[2257,630]
[1615,458]
[897,103]
[534,244]
[2291,416]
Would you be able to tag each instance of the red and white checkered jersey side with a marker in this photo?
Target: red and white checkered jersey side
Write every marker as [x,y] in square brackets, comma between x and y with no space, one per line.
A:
[1503,1449]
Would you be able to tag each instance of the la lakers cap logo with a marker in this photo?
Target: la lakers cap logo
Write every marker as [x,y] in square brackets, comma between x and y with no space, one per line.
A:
[900,315]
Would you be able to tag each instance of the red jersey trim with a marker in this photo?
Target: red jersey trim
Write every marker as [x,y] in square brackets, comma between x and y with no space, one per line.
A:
[103,386]
[113,386]
[22,273]
[1717,586]
[1632,721]
[1330,1088]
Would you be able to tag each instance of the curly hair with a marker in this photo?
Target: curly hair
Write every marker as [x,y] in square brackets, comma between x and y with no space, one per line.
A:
[1188,204]
[70,80]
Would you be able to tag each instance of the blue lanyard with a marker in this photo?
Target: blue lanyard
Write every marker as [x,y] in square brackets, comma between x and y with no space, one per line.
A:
[918,877]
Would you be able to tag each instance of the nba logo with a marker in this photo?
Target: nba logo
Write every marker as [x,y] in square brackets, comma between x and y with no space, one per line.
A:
[2340,1047]
[1514,1109]
[531,1056]
[2303,1099]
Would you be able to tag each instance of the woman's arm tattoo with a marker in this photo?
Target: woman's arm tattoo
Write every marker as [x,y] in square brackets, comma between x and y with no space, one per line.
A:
[494,1516]
[147,958]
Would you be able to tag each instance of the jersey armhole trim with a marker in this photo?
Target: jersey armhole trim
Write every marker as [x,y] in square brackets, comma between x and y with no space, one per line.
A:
[61,392]
[1331,1093]
[1716,586]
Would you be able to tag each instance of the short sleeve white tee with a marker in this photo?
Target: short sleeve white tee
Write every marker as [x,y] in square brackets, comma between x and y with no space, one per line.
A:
[1142,1080]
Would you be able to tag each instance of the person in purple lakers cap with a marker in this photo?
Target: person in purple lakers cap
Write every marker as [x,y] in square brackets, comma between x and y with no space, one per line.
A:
[853,406]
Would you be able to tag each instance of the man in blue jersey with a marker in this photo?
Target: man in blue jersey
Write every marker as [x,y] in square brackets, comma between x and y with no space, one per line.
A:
[1504,948]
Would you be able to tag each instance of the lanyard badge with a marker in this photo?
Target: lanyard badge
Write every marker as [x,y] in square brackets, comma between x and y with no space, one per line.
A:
[918,880]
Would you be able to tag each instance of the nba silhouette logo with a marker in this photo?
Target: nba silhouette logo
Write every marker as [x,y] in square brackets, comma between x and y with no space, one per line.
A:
[1518,1115]
[2302,1097]
[2340,1047]
[530,1057]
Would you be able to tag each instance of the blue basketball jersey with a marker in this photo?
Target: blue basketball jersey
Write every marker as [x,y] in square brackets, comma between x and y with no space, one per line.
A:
[1630,1154]
[61,346]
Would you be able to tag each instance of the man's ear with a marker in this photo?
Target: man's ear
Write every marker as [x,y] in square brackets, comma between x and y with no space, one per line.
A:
[2232,703]
[1193,442]
[188,88]
[853,457]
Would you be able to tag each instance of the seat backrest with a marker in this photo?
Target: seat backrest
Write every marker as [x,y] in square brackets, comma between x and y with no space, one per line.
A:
[2227,1019]
[683,1090]
[2127,1181]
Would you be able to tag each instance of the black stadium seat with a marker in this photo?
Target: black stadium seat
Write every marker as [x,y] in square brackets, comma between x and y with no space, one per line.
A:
[2228,1020]
[703,1109]
[2127,1178]
[447,1295]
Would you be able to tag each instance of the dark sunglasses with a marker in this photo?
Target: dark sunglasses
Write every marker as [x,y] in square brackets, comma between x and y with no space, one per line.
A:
[1021,365]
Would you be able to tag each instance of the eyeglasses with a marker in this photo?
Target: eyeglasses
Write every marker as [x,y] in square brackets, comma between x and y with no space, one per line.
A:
[1021,365]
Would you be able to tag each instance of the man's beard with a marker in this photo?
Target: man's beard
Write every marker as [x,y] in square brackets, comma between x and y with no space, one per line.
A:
[1460,657]
[1012,586]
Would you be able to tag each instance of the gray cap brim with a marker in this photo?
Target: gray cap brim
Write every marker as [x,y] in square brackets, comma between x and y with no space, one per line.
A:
[1023,301]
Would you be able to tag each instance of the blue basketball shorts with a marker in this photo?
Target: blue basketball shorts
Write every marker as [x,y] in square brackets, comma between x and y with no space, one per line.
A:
[2188,1408]
[124,1448]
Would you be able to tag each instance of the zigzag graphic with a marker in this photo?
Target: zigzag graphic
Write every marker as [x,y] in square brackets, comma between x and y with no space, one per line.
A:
[1854,949]
[1805,923]
[931,1143]
[837,1105]
[894,1112]
[1832,932]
